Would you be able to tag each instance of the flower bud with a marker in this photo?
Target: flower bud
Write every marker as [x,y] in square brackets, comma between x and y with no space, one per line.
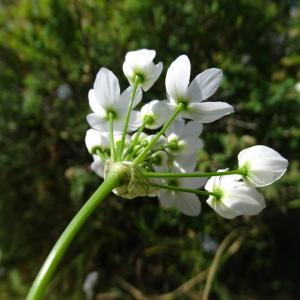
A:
[262,165]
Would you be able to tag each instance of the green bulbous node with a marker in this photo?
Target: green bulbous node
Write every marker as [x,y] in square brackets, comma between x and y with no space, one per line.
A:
[134,183]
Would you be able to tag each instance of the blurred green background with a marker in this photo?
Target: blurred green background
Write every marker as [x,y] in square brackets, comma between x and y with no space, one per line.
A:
[50,52]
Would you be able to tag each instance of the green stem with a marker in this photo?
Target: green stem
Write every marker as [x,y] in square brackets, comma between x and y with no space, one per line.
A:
[186,190]
[132,96]
[111,136]
[194,174]
[135,141]
[134,152]
[43,278]
[142,155]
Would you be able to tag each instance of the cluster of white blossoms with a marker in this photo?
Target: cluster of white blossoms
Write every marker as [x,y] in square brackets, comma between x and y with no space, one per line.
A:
[156,143]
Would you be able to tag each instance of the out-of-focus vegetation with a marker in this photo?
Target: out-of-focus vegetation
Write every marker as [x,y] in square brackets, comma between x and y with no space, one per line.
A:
[50,51]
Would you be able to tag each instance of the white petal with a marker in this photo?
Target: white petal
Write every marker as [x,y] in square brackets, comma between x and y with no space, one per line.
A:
[135,121]
[193,183]
[107,89]
[178,78]
[207,112]
[187,203]
[95,138]
[97,122]
[212,183]
[244,200]
[191,146]
[98,166]
[205,85]
[139,58]
[151,74]
[221,209]
[123,103]
[188,163]
[95,105]
[176,128]
[166,199]
[192,129]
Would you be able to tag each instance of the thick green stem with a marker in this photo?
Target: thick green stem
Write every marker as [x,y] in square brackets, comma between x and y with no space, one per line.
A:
[194,174]
[127,119]
[186,190]
[43,278]
[111,136]
[141,156]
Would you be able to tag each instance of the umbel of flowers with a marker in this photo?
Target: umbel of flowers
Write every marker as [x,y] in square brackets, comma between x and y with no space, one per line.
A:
[151,149]
[155,144]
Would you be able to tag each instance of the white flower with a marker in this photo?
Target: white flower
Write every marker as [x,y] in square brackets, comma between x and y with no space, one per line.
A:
[184,142]
[262,164]
[236,197]
[155,113]
[202,87]
[187,203]
[95,139]
[140,63]
[105,98]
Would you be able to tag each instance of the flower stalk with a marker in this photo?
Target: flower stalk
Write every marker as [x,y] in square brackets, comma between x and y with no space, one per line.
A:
[44,276]
[194,174]
[186,190]
[111,136]
[137,81]
[135,141]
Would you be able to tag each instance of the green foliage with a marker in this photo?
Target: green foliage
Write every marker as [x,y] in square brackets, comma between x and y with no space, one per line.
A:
[50,51]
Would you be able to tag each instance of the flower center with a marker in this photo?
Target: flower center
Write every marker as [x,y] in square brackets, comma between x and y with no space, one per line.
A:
[149,119]
[184,102]
[112,112]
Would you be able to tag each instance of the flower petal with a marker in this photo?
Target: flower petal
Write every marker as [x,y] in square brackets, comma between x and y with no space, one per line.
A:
[205,85]
[97,122]
[178,78]
[188,162]
[152,74]
[123,103]
[245,200]
[221,209]
[94,103]
[98,166]
[135,121]
[193,183]
[192,129]
[166,199]
[95,138]
[106,87]
[187,203]
[139,58]
[176,128]
[207,112]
